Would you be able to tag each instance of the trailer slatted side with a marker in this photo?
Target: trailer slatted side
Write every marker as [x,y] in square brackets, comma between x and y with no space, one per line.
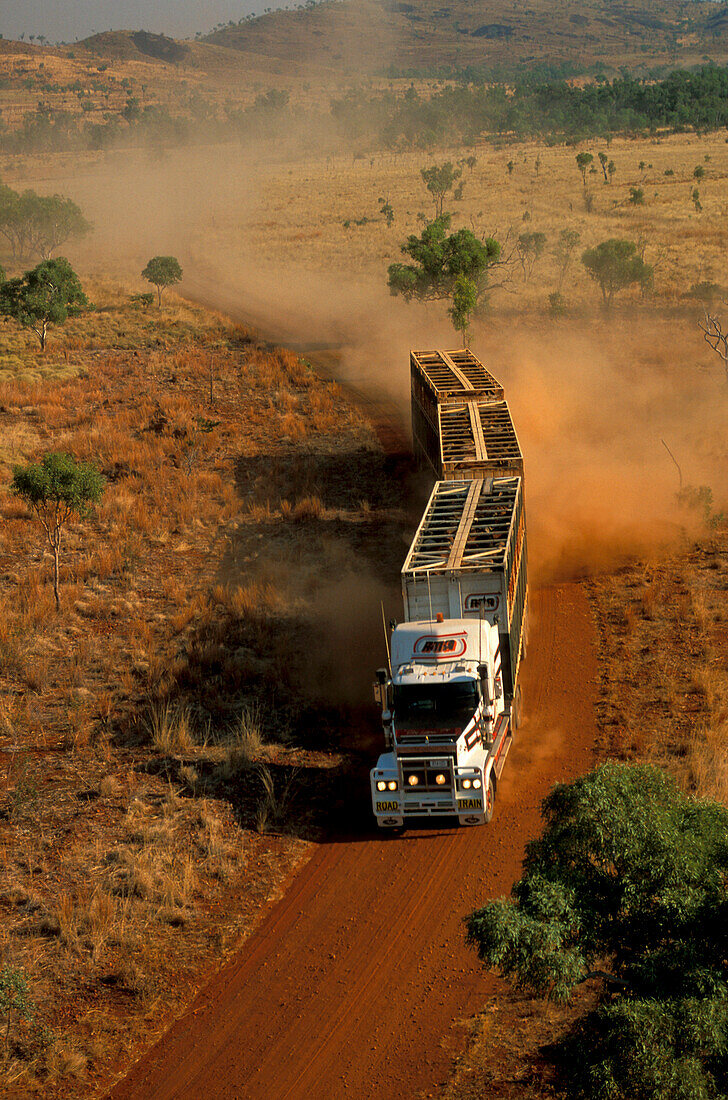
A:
[454,373]
[476,439]
[472,531]
[479,512]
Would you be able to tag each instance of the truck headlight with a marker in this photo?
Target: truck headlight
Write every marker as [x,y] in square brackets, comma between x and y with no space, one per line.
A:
[477,784]
[392,785]
[381,785]
[467,784]
[440,780]
[413,781]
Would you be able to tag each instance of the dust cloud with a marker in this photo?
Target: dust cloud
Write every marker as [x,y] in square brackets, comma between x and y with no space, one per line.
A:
[591,401]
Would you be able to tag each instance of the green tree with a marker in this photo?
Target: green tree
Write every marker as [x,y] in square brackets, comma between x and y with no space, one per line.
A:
[162,271]
[438,181]
[614,265]
[626,884]
[698,172]
[530,248]
[47,295]
[603,162]
[636,196]
[583,162]
[57,488]
[464,304]
[439,260]
[38,224]
[695,196]
[611,169]
[568,241]
[56,220]
[386,210]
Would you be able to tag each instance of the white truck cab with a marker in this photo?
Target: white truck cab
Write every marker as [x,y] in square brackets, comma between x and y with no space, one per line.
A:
[446,722]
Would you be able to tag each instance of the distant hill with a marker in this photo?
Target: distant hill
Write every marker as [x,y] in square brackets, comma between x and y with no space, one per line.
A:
[130,45]
[498,35]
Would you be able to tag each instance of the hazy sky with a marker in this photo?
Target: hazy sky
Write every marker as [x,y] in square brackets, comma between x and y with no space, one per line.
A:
[66,20]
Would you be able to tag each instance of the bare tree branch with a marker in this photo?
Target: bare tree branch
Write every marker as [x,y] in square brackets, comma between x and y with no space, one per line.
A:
[715,338]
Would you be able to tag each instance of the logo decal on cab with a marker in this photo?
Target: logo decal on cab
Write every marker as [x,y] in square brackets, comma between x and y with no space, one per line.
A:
[441,647]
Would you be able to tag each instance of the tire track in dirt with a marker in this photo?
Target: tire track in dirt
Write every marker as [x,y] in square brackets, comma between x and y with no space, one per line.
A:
[354,982]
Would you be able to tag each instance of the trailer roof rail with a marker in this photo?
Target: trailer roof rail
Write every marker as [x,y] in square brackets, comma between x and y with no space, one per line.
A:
[455,373]
[478,431]
[466,525]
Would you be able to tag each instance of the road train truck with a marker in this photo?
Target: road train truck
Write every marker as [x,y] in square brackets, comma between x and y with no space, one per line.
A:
[450,697]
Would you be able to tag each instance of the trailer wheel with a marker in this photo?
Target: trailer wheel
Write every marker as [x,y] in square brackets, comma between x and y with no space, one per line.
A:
[489,800]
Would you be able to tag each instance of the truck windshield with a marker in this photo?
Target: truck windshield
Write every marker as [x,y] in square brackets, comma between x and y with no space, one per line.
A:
[443,702]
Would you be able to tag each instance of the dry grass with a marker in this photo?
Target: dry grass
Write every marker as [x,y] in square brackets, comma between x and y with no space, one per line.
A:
[171,634]
[664,688]
[171,728]
[317,195]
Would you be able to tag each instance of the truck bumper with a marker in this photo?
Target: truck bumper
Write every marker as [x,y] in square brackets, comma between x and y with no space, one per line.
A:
[391,817]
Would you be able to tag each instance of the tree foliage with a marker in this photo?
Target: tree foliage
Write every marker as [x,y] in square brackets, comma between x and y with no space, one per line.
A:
[614,265]
[47,295]
[630,875]
[36,225]
[162,271]
[539,100]
[439,179]
[583,162]
[439,260]
[530,248]
[568,241]
[57,488]
[464,304]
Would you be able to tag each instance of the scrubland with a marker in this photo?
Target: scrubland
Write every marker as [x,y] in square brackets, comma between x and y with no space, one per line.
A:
[177,735]
[166,749]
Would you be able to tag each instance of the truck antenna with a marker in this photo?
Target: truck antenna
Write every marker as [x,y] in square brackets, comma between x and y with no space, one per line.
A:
[386,640]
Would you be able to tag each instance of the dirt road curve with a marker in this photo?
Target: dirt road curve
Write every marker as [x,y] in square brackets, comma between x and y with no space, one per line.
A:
[355,976]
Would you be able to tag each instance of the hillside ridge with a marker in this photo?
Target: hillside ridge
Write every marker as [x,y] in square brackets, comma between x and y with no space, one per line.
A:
[491,35]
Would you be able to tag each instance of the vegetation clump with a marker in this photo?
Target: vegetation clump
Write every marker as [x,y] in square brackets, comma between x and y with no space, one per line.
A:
[445,266]
[162,271]
[614,265]
[57,488]
[627,885]
[47,295]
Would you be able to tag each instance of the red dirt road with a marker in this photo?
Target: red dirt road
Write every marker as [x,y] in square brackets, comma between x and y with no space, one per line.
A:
[354,983]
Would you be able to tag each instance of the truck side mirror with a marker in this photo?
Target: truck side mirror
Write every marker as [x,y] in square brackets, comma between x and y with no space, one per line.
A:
[380,688]
[484,682]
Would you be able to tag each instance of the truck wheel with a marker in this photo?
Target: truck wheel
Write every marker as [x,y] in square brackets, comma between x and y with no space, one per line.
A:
[489,800]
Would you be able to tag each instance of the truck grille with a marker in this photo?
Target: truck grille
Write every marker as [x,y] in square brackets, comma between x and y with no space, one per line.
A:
[426,777]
